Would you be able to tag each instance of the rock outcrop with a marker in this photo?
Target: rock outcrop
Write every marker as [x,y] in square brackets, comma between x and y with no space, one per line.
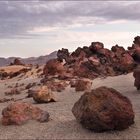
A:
[95,60]
[104,109]
[19,113]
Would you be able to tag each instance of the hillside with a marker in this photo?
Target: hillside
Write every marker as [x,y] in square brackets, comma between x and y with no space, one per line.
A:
[31,60]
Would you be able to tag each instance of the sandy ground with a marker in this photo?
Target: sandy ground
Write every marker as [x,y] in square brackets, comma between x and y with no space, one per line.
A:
[62,124]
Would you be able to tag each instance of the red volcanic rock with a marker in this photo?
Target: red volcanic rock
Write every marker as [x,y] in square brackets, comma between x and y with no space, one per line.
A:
[19,112]
[136,55]
[137,41]
[53,67]
[84,71]
[95,46]
[43,95]
[118,49]
[127,62]
[83,85]
[72,83]
[56,85]
[136,75]
[104,109]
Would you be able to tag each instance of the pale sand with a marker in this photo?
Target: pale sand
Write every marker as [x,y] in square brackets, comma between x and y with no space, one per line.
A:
[63,125]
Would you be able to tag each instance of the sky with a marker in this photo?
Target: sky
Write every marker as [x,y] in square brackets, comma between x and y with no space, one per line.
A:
[33,28]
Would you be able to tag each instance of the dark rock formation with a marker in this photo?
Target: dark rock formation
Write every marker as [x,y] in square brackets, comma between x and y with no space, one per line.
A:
[136,75]
[63,54]
[104,109]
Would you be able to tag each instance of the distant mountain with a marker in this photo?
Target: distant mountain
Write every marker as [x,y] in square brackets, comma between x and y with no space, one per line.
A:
[31,60]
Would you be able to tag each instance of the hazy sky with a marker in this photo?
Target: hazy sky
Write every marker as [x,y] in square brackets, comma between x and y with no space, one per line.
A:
[29,28]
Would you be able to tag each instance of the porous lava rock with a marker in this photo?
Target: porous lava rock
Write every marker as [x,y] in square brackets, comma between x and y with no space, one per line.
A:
[18,113]
[104,109]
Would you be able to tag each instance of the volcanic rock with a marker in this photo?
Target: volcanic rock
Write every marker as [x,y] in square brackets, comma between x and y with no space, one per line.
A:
[118,49]
[53,67]
[57,85]
[43,95]
[136,75]
[18,113]
[95,46]
[83,85]
[104,109]
[137,41]
[63,54]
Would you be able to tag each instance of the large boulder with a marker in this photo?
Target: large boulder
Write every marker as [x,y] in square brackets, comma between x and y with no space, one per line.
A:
[136,75]
[19,112]
[53,67]
[104,109]
[43,95]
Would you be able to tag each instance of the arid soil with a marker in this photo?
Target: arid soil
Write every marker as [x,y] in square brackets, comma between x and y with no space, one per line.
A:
[62,123]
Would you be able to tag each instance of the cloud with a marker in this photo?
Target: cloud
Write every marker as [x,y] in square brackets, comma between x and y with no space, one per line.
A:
[22,19]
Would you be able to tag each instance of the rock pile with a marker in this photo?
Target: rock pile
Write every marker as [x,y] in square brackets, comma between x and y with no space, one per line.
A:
[95,60]
[104,109]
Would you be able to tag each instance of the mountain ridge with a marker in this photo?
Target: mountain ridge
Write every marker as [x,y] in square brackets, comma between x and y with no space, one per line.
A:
[40,60]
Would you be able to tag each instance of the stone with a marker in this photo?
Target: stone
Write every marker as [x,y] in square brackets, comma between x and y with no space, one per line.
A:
[118,49]
[83,85]
[43,95]
[95,46]
[53,67]
[18,113]
[136,75]
[104,109]
[63,54]
[57,85]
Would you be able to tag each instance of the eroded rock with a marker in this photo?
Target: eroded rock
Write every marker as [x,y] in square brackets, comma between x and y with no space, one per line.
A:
[43,95]
[18,113]
[104,109]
